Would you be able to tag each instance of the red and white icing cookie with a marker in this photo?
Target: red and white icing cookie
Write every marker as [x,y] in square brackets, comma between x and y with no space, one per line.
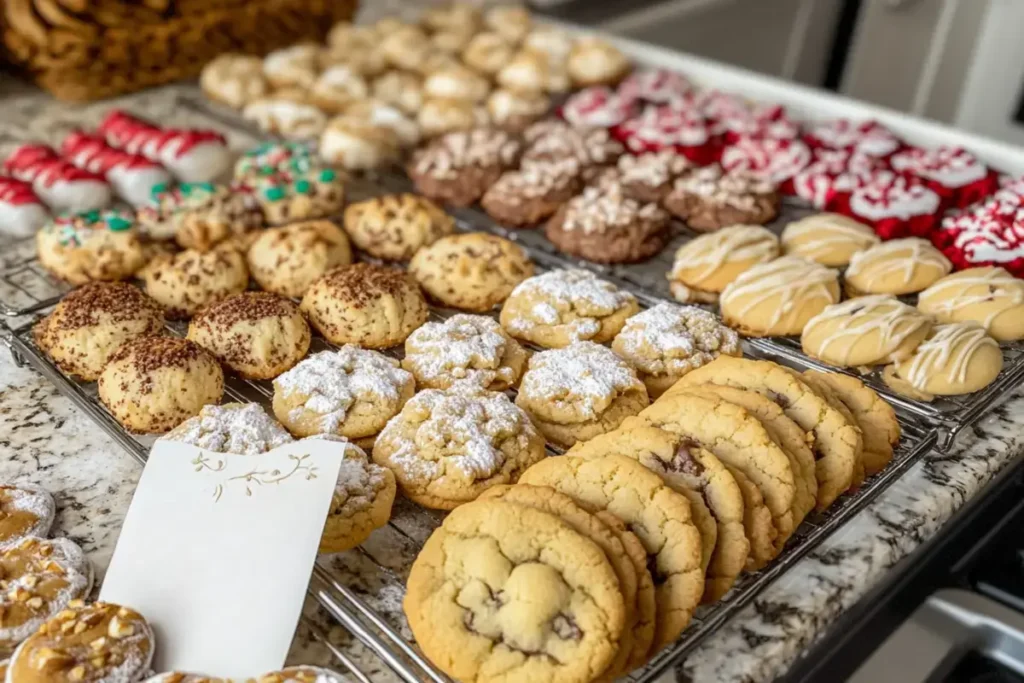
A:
[759,124]
[895,205]
[657,86]
[832,175]
[191,155]
[956,175]
[989,236]
[21,211]
[869,137]
[667,127]
[778,161]
[64,188]
[597,107]
[717,105]
[132,176]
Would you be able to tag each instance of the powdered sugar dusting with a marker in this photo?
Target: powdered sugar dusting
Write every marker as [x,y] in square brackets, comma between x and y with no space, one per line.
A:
[31,499]
[672,340]
[573,296]
[462,348]
[583,376]
[359,480]
[245,429]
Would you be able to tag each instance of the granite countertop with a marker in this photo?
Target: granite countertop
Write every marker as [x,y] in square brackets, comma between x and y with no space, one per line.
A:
[45,440]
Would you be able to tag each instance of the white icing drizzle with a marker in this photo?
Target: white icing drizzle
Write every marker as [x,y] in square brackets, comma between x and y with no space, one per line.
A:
[793,280]
[904,256]
[893,320]
[993,284]
[827,231]
[734,244]
[951,347]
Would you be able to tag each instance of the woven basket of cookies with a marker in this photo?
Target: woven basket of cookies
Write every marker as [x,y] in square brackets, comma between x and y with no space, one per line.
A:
[82,50]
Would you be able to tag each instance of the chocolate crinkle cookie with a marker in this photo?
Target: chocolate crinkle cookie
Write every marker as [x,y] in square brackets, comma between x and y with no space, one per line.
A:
[533,193]
[459,167]
[606,226]
[709,198]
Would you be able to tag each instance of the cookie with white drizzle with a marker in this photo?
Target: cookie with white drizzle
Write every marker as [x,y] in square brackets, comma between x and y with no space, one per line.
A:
[703,267]
[956,359]
[903,266]
[351,392]
[577,392]
[667,341]
[778,298]
[868,330]
[708,199]
[25,510]
[830,239]
[38,579]
[535,191]
[988,296]
[240,428]
[464,348]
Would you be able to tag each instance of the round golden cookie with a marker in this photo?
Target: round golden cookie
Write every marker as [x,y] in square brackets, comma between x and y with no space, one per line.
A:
[301,195]
[288,260]
[473,271]
[903,266]
[38,578]
[277,115]
[240,428]
[297,65]
[988,296]
[577,392]
[456,82]
[358,144]
[440,117]
[381,114]
[90,323]
[90,643]
[362,498]
[448,446]
[666,341]
[464,348]
[206,215]
[659,517]
[337,87]
[955,359]
[507,592]
[557,308]
[868,330]
[515,111]
[400,89]
[350,392]
[551,42]
[830,239]
[876,418]
[590,526]
[296,674]
[233,79]
[25,510]
[594,61]
[836,441]
[98,245]
[396,226]
[258,335]
[512,22]
[372,306]
[187,281]
[700,476]
[777,299]
[534,73]
[153,384]
[453,16]
[488,53]
[704,266]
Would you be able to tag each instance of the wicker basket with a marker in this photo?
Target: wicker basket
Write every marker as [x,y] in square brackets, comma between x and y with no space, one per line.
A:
[91,49]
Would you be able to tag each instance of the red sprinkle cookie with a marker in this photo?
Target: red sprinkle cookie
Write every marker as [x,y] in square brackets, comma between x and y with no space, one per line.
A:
[869,137]
[953,173]
[895,206]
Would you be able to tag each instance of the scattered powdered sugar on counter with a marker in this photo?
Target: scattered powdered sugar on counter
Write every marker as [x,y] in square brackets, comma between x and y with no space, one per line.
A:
[245,429]
[585,376]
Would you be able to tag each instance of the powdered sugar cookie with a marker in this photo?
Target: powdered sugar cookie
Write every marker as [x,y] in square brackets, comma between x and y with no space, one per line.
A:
[488,53]
[350,392]
[830,239]
[358,145]
[25,510]
[593,61]
[560,307]
[297,65]
[990,297]
[550,41]
[439,117]
[289,119]
[703,267]
[400,89]
[376,113]
[240,428]
[896,267]
[956,359]
[234,79]
[337,87]
[511,22]
[868,330]
[514,111]
[464,348]
[457,83]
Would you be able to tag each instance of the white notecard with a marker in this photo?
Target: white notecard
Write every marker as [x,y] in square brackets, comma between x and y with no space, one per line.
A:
[216,551]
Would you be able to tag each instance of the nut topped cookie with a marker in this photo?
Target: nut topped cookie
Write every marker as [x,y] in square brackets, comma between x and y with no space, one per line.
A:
[91,322]
[241,428]
[259,335]
[830,239]
[25,510]
[448,446]
[535,191]
[459,167]
[577,392]
[508,592]
[778,298]
[98,245]
[988,296]
[91,643]
[394,227]
[709,199]
[472,271]
[464,348]
[557,308]
[902,266]
[350,392]
[666,341]
[868,330]
[649,177]
[38,579]
[289,259]
[605,226]
[703,267]
[187,281]
[371,306]
[956,359]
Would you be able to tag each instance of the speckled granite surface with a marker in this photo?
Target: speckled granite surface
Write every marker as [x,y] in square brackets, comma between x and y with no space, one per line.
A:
[44,439]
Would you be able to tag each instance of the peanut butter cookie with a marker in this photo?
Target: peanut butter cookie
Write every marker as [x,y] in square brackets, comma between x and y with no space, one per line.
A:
[25,510]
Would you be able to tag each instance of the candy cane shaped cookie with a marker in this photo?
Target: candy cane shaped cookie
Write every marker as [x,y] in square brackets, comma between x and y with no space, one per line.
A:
[57,182]
[132,176]
[21,211]
[191,155]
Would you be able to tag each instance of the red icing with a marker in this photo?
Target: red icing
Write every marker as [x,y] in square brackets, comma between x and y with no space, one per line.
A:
[17,192]
[668,127]
[869,137]
[832,175]
[990,235]
[953,173]
[92,153]
[778,161]
[894,205]
[41,164]
[596,108]
[659,86]
[137,136]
